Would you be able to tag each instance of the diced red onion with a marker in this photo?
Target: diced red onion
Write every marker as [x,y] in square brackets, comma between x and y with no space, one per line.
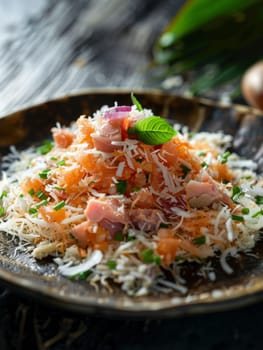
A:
[117,112]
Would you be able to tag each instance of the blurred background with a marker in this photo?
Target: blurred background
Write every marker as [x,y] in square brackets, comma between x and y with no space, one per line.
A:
[197,47]
[49,48]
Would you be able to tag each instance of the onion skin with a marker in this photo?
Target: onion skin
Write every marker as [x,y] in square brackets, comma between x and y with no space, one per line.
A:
[252,85]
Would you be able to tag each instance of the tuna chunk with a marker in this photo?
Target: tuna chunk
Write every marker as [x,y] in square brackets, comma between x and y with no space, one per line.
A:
[147,220]
[110,209]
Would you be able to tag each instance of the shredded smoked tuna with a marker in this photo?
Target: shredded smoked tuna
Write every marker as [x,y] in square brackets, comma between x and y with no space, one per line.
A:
[126,209]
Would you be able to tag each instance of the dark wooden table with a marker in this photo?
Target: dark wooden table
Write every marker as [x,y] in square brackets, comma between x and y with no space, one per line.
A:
[53,47]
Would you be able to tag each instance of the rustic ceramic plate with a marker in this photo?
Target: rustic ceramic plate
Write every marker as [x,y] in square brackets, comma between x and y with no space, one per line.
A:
[40,280]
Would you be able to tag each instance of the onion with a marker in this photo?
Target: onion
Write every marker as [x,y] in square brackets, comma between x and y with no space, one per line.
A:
[93,260]
[117,112]
[252,85]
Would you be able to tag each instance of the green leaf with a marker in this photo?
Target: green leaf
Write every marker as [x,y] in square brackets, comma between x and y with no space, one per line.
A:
[196,13]
[136,102]
[153,131]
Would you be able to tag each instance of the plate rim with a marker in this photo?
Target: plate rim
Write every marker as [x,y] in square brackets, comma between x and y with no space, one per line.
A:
[46,294]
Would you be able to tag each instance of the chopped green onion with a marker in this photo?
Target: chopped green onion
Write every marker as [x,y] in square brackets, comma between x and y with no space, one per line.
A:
[185,170]
[44,173]
[136,102]
[237,218]
[111,264]
[259,200]
[139,160]
[3,194]
[236,193]
[131,238]
[61,163]
[41,195]
[199,240]
[32,210]
[81,276]
[260,212]
[2,211]
[148,256]
[136,189]
[204,165]
[40,204]
[45,147]
[245,211]
[31,192]
[21,195]
[59,206]
[53,158]
[119,236]
[58,188]
[202,154]
[223,158]
[121,186]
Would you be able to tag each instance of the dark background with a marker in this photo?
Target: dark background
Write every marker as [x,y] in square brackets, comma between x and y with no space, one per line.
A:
[49,48]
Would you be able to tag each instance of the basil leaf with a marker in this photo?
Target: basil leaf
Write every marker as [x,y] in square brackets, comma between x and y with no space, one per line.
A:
[136,102]
[153,131]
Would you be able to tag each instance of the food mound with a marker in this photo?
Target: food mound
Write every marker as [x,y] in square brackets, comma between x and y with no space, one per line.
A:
[125,197]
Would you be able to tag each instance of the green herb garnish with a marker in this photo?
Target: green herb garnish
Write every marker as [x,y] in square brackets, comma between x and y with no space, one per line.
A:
[260,212]
[40,204]
[61,163]
[32,210]
[3,194]
[59,206]
[2,211]
[237,218]
[185,170]
[139,160]
[44,173]
[118,236]
[41,195]
[53,158]
[45,147]
[202,154]
[21,195]
[81,276]
[136,102]
[204,165]
[199,240]
[245,211]
[259,200]
[152,131]
[111,264]
[223,158]
[121,186]
[148,256]
[236,193]
[58,188]
[136,189]
[191,135]
[31,192]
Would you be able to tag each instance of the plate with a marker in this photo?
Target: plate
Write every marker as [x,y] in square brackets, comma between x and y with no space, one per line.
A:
[39,280]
